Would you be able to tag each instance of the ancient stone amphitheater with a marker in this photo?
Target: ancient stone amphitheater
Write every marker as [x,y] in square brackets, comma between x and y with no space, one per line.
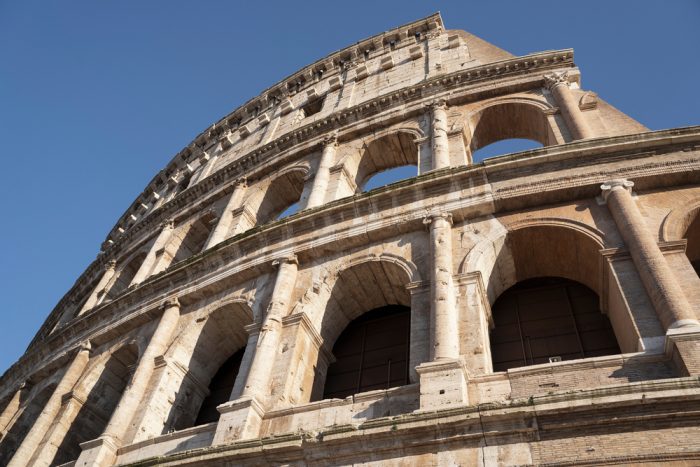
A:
[534,308]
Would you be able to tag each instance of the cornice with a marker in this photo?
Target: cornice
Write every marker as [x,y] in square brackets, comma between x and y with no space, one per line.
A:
[291,143]
[142,301]
[518,66]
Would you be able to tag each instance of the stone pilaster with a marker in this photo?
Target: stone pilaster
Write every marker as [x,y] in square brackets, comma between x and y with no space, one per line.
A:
[53,406]
[169,378]
[320,185]
[71,403]
[558,84]
[242,418]
[226,221]
[152,258]
[103,451]
[257,384]
[440,140]
[100,290]
[443,380]
[668,298]
[445,336]
[12,408]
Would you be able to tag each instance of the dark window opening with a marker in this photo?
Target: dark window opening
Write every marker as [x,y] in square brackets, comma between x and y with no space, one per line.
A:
[371,353]
[692,250]
[546,319]
[220,388]
[313,107]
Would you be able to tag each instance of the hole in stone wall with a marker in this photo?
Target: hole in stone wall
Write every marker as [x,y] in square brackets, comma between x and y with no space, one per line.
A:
[313,107]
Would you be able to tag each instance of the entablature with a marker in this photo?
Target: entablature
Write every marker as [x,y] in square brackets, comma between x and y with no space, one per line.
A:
[654,160]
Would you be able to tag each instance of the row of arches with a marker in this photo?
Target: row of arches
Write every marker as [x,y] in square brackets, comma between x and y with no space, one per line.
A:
[387,158]
[543,285]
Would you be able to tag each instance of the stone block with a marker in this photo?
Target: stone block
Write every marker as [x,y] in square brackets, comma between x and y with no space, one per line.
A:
[443,384]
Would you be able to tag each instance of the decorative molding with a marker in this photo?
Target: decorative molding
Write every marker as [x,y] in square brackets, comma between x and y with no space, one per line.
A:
[557,78]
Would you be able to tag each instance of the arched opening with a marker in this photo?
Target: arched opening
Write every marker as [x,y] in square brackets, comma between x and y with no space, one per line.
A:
[548,319]
[505,146]
[123,278]
[281,195]
[692,235]
[194,237]
[212,350]
[21,426]
[371,353]
[100,401]
[368,321]
[220,389]
[554,259]
[509,121]
[389,176]
[293,209]
[391,151]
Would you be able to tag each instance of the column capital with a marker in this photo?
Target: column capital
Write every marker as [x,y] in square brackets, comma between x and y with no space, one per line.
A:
[430,218]
[557,78]
[330,140]
[289,259]
[607,187]
[242,182]
[170,302]
[437,104]
[110,265]
[84,345]
[167,224]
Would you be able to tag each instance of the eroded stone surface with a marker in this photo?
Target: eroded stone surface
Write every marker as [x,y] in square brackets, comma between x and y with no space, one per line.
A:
[200,267]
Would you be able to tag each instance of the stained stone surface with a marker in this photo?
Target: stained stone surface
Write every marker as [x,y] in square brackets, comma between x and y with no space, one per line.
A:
[199,268]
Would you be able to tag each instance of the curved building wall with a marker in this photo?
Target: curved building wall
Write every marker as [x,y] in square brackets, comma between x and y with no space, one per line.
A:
[204,297]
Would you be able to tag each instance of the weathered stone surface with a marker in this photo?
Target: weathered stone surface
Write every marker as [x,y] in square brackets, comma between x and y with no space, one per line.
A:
[446,244]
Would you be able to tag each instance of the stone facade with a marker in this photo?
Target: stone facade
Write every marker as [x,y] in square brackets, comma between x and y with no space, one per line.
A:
[199,268]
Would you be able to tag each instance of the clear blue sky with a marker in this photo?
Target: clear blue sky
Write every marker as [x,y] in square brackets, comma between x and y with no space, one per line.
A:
[96,97]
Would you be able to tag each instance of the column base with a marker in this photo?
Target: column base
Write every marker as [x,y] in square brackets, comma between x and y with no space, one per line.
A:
[240,419]
[683,347]
[443,384]
[100,452]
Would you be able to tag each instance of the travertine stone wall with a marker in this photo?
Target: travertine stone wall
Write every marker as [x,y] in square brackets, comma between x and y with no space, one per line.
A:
[200,267]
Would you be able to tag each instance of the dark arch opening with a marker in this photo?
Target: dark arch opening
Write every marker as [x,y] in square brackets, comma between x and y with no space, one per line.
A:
[124,278]
[548,319]
[93,416]
[212,359]
[371,353]
[281,197]
[20,428]
[220,388]
[195,238]
[692,235]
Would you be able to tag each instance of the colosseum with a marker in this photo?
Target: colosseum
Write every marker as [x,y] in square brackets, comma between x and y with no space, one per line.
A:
[258,304]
